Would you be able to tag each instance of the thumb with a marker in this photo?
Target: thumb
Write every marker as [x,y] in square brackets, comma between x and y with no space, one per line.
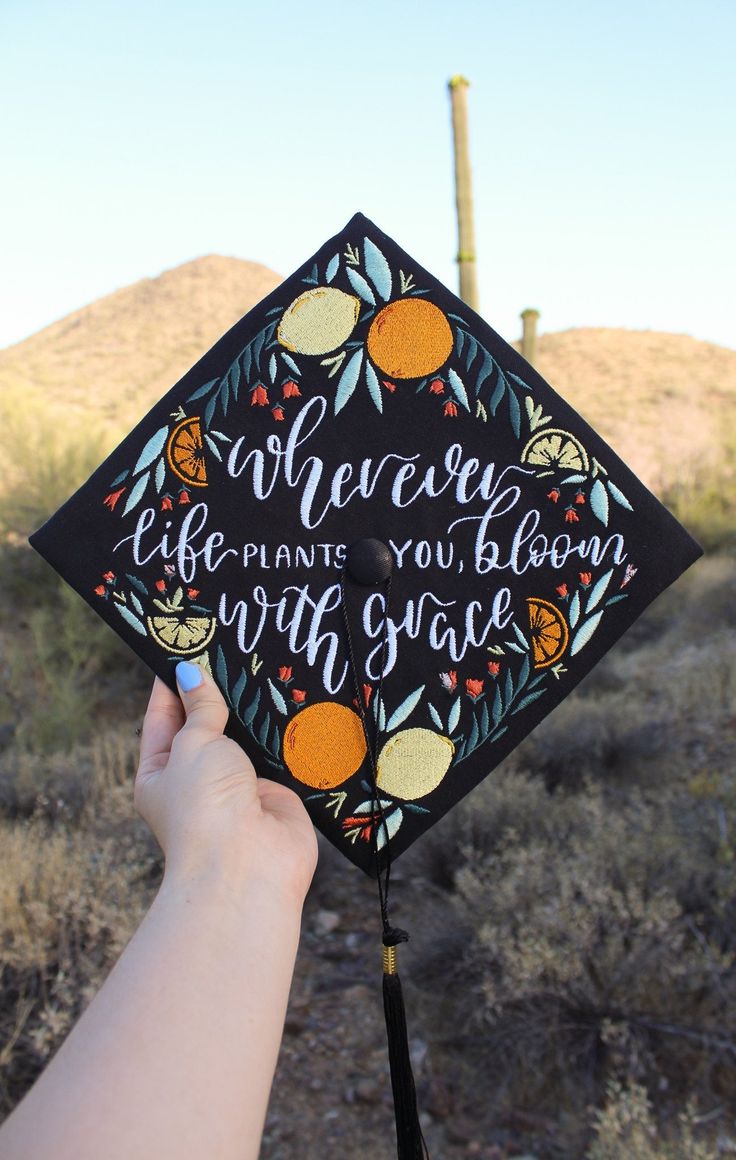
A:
[203,702]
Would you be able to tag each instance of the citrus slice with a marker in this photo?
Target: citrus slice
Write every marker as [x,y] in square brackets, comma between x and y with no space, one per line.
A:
[413,762]
[410,338]
[548,630]
[555,448]
[318,321]
[324,745]
[182,634]
[185,453]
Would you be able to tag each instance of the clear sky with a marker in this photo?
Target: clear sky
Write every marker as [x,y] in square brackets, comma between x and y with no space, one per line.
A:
[138,134]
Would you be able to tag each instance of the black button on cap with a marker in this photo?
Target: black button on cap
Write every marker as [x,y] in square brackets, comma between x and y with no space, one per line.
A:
[369,562]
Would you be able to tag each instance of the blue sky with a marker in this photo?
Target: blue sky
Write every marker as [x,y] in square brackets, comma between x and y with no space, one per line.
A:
[138,135]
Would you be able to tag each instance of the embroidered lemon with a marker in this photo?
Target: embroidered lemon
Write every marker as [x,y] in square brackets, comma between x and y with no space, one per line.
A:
[548,631]
[554,448]
[182,634]
[413,762]
[410,338]
[185,453]
[324,745]
[318,321]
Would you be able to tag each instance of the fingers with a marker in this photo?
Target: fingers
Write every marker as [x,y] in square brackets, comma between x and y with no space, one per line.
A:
[164,718]
[204,705]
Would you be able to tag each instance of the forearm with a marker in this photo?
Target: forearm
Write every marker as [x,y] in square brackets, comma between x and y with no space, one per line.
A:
[175,1056]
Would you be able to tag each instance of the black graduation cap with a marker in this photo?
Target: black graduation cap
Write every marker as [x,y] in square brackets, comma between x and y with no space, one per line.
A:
[393,544]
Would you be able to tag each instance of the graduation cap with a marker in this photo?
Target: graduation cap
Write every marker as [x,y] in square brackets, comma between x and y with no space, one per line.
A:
[395,547]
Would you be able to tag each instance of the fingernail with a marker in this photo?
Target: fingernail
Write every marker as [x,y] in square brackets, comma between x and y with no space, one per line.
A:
[189,676]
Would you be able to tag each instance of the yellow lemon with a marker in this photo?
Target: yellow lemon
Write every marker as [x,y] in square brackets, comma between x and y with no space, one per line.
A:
[555,448]
[182,634]
[318,321]
[324,745]
[410,338]
[413,762]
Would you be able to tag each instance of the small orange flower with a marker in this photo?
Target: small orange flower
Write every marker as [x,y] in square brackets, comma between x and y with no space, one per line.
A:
[298,696]
[193,593]
[474,688]
[101,590]
[579,498]
[259,397]
[554,495]
[437,387]
[109,576]
[111,499]
[285,672]
[184,496]
[389,386]
[561,589]
[166,504]
[494,668]
[160,585]
[367,693]
[585,579]
[290,390]
[278,414]
[450,409]
[571,516]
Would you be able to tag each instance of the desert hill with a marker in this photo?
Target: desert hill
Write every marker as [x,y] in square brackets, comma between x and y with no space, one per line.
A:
[665,402]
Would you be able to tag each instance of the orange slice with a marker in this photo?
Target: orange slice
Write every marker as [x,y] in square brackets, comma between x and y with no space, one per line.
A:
[185,453]
[410,338]
[548,630]
[555,448]
[182,634]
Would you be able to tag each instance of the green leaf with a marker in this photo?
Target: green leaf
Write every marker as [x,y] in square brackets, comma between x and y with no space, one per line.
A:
[497,711]
[213,448]
[618,495]
[239,689]
[599,502]
[520,636]
[574,614]
[454,717]
[291,364]
[360,286]
[221,671]
[458,389]
[405,708]
[485,724]
[277,699]
[137,584]
[374,388]
[137,491]
[136,604]
[377,268]
[348,380]
[514,413]
[202,391]
[473,738]
[498,393]
[523,674]
[584,633]
[436,719]
[527,700]
[598,591]
[209,411]
[132,619]
[508,692]
[252,709]
[264,730]
[160,475]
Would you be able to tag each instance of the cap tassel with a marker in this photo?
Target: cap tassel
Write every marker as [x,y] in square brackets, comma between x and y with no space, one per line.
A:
[409,1139]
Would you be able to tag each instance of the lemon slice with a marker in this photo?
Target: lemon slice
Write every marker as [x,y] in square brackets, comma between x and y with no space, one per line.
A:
[182,634]
[555,448]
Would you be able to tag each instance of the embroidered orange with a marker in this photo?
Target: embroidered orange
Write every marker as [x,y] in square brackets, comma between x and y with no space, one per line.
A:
[548,630]
[413,762]
[410,338]
[324,745]
[555,448]
[318,321]
[182,634]
[185,453]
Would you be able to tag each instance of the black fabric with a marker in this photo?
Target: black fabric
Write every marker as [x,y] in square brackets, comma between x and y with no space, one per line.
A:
[363,400]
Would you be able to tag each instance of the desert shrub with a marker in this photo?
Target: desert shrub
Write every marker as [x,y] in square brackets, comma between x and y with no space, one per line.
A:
[703,497]
[625,1129]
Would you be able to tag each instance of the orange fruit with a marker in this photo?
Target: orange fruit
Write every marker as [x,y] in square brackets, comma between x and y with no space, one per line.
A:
[324,745]
[555,448]
[410,338]
[185,453]
[549,631]
[182,634]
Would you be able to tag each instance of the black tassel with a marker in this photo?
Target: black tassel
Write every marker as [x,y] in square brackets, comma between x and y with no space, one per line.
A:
[409,1139]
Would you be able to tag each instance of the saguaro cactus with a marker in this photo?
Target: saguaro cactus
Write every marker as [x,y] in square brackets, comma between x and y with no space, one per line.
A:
[529,334]
[458,87]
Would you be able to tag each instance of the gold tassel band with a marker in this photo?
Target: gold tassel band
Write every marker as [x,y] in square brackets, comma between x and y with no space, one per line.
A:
[389,961]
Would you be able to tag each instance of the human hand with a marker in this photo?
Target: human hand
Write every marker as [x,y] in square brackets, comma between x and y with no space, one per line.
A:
[199,793]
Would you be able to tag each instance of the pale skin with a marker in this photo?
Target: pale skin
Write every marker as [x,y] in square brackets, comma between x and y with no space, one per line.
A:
[174,1058]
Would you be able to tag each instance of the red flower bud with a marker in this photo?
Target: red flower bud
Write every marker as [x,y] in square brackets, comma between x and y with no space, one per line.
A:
[193,593]
[437,387]
[109,576]
[494,668]
[259,396]
[554,495]
[389,386]
[561,589]
[166,504]
[571,516]
[473,688]
[367,693]
[278,414]
[101,590]
[111,499]
[160,585]
[585,578]
[184,496]
[298,696]
[450,409]
[580,498]
[285,673]
[290,390]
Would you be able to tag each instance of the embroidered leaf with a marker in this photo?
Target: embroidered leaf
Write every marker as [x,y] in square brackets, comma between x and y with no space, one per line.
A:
[202,391]
[574,615]
[537,680]
[499,733]
[584,633]
[498,393]
[209,410]
[618,495]
[520,382]
[528,700]
[136,494]
[458,388]
[332,267]
[436,719]
[473,738]
[374,388]
[160,475]
[454,717]
[225,396]
[213,447]
[404,709]
[508,691]
[485,371]
[377,268]
[523,674]
[177,598]
[514,646]
[290,363]
[278,700]
[514,413]
[361,287]
[598,591]
[472,352]
[131,619]
[381,716]
[247,360]
[485,725]
[599,501]
[520,636]
[136,604]
[153,448]
[574,479]
[385,832]
[137,584]
[239,689]
[234,377]
[221,670]
[264,730]
[459,342]
[252,709]
[480,412]
[276,741]
[615,599]
[272,368]
[219,435]
[497,711]
[119,478]
[257,347]
[348,379]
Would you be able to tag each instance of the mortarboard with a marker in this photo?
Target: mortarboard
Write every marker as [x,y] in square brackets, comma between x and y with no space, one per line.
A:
[393,544]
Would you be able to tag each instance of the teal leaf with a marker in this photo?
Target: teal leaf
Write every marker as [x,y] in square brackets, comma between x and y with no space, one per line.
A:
[584,633]
[577,478]
[278,700]
[374,388]
[618,495]
[498,393]
[473,738]
[598,591]
[458,388]
[537,680]
[160,475]
[520,636]
[131,619]
[405,708]
[485,371]
[497,711]
[436,719]
[234,376]
[119,478]
[386,833]
[264,730]
[472,352]
[499,733]
[137,584]
[520,382]
[485,725]
[615,599]
[209,411]
[213,448]
[225,396]
[347,381]
[574,615]
[252,709]
[530,697]
[514,413]
[291,364]
[276,741]
[508,691]
[332,267]
[136,494]
[459,342]
[514,646]
[239,689]
[219,435]
[523,674]
[272,368]
[599,502]
[361,287]
[377,268]
[221,670]
[136,604]
[454,718]
[202,391]
[153,448]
